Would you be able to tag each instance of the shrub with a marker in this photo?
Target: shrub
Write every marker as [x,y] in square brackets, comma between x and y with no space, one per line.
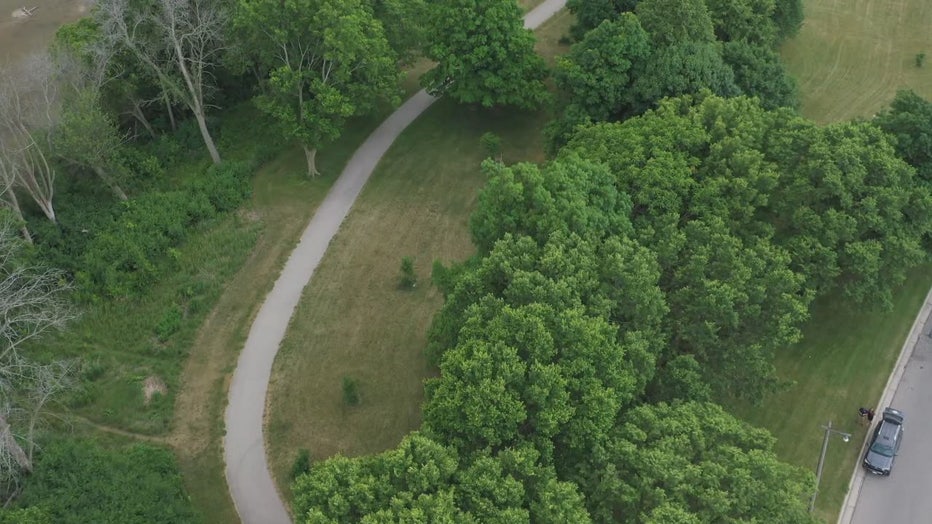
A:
[491,144]
[408,278]
[78,481]
[920,59]
[350,392]
[302,464]
[169,324]
[226,185]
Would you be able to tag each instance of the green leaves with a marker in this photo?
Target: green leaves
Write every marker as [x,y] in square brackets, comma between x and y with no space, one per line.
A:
[484,55]
[327,60]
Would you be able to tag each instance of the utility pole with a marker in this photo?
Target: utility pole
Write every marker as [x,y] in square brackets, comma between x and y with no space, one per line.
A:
[828,431]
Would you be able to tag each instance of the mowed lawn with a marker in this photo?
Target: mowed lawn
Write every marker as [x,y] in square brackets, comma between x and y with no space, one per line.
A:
[851,56]
[353,320]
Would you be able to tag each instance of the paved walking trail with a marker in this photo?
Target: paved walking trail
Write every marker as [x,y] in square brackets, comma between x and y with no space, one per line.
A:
[247,471]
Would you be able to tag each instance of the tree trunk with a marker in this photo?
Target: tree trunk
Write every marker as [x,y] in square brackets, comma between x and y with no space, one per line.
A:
[311,154]
[110,183]
[171,114]
[205,133]
[140,117]
[8,441]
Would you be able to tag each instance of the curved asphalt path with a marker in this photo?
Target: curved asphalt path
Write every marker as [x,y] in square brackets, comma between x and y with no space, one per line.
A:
[254,494]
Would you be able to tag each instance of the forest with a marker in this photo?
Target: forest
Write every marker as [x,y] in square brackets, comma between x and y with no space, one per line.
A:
[675,239]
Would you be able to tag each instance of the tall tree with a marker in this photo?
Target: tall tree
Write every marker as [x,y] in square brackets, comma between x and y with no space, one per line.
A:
[328,60]
[29,106]
[671,22]
[909,122]
[599,72]
[590,13]
[697,462]
[484,55]
[180,42]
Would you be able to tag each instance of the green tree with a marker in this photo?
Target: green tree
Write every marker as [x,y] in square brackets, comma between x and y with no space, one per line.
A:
[852,213]
[598,73]
[684,68]
[788,17]
[590,13]
[88,137]
[750,21]
[328,60]
[484,55]
[759,72]
[693,462]
[673,22]
[909,121]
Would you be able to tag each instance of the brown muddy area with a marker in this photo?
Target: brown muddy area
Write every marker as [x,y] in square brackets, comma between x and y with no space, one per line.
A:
[22,34]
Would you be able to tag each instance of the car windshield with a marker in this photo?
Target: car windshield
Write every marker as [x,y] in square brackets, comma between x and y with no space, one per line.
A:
[882,449]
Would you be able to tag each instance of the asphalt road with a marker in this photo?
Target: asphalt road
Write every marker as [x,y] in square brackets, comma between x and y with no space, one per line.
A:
[251,486]
[904,497]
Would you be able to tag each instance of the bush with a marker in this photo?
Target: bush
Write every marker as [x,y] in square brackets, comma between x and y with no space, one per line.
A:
[492,145]
[920,59]
[134,248]
[350,392]
[408,278]
[169,323]
[226,185]
[78,481]
[302,464]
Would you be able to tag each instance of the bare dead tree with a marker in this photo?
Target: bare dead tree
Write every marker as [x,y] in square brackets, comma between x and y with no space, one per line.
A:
[32,298]
[28,109]
[179,41]
[32,301]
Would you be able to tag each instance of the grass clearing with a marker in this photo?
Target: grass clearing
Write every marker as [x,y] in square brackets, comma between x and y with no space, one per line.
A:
[851,57]
[354,321]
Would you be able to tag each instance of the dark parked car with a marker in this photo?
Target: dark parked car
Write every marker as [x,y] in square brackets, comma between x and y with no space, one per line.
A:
[885,443]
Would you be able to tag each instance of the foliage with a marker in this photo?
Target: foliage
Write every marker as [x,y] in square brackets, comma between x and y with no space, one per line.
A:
[350,391]
[491,144]
[598,74]
[422,480]
[788,17]
[673,22]
[484,55]
[408,277]
[169,323]
[909,122]
[920,59]
[78,481]
[749,21]
[684,68]
[759,73]
[129,253]
[590,13]
[723,173]
[302,464]
[327,60]
[697,461]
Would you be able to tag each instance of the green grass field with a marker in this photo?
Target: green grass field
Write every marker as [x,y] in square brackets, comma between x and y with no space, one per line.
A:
[851,56]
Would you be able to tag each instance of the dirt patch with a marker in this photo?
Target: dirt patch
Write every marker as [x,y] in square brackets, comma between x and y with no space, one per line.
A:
[152,385]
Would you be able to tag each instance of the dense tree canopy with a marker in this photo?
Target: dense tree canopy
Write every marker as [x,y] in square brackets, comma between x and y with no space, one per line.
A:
[484,54]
